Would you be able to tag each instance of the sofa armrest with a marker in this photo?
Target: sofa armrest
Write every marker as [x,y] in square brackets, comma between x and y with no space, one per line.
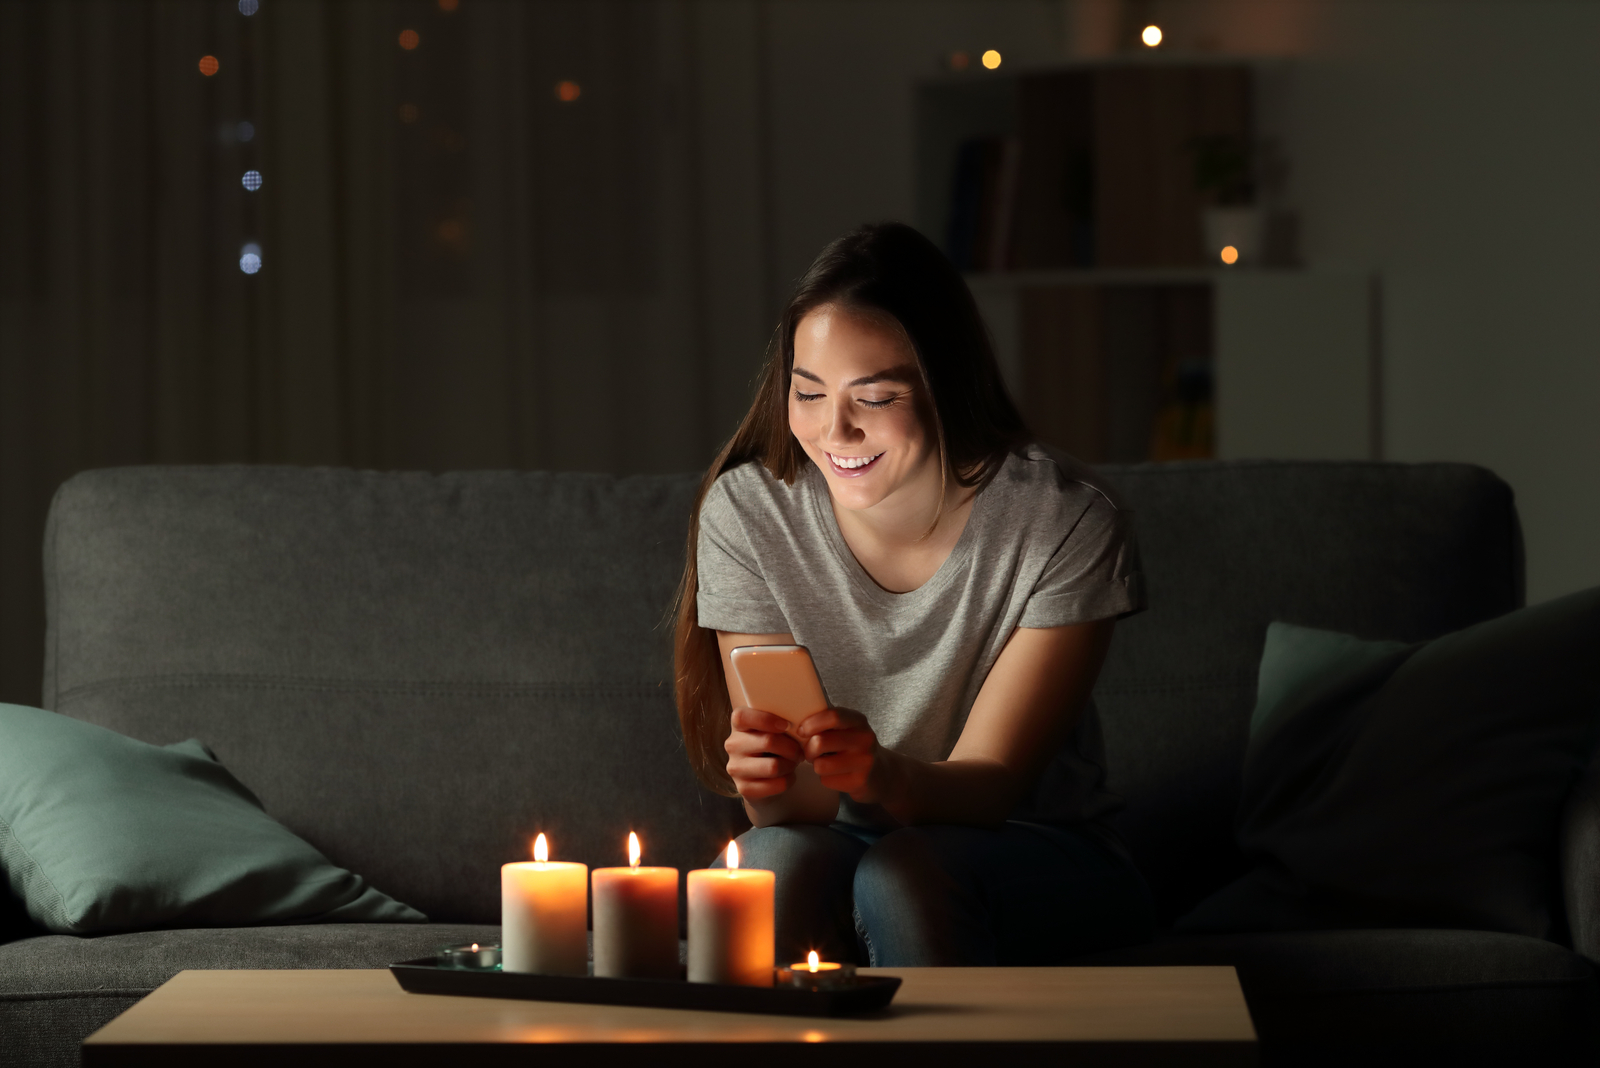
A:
[1580,862]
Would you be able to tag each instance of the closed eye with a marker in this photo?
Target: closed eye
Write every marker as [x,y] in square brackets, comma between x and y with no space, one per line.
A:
[886,402]
[806,396]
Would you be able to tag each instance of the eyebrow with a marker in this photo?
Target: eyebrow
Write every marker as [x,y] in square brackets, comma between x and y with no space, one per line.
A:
[906,374]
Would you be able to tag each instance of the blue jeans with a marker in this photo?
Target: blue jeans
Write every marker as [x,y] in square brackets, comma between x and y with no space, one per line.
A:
[1026,893]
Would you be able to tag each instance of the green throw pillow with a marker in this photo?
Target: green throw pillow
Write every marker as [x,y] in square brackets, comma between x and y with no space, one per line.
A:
[100,833]
[1388,784]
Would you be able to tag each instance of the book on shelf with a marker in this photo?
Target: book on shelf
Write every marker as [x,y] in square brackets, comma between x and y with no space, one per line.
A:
[983,203]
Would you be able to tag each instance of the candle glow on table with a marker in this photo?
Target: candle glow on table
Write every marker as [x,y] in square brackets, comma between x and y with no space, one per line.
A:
[731,927]
[544,915]
[635,920]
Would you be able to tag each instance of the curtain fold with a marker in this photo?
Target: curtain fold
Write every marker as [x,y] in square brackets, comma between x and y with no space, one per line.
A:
[462,264]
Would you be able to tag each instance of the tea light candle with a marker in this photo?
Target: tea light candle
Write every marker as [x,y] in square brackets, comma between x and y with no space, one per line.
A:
[817,974]
[635,920]
[731,928]
[544,921]
[474,957]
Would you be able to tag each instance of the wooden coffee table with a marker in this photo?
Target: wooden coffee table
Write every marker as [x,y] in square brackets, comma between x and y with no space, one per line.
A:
[941,1016]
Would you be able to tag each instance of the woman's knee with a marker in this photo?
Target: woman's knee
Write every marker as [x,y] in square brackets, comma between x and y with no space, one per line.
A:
[794,848]
[909,864]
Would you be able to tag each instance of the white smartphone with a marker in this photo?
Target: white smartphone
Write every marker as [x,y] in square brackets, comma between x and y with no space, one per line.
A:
[783,680]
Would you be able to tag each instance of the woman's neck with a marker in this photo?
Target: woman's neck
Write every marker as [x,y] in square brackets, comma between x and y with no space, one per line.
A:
[892,540]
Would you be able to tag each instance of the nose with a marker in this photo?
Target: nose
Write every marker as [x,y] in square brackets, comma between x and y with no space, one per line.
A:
[842,431]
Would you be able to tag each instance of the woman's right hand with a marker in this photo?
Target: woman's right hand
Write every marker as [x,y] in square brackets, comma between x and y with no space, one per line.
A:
[761,755]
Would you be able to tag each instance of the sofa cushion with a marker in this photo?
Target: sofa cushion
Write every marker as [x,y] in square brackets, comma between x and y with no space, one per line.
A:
[1477,992]
[1405,551]
[1396,785]
[101,833]
[415,673]
[55,990]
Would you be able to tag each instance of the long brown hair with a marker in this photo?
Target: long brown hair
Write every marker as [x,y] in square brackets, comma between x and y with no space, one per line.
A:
[883,269]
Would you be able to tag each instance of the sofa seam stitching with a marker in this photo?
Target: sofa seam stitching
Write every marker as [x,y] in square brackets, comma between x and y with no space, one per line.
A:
[62,995]
[403,686]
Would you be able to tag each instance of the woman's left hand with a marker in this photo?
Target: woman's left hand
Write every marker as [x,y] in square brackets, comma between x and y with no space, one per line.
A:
[844,751]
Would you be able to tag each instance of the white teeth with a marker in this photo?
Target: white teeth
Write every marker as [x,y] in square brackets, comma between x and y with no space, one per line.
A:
[849,462]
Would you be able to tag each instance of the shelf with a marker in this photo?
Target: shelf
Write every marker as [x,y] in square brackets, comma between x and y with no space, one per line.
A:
[1147,58]
[1116,276]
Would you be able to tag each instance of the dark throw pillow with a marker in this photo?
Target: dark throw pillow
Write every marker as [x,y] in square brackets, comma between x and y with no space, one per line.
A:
[1388,784]
[101,833]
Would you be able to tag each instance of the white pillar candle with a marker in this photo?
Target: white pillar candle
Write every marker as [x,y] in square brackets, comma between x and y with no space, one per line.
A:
[635,920]
[544,921]
[731,930]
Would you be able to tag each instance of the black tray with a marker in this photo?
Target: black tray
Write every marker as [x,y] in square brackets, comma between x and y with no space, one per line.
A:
[864,993]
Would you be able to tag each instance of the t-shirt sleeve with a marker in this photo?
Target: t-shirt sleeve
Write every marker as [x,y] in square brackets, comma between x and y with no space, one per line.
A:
[733,595]
[1093,574]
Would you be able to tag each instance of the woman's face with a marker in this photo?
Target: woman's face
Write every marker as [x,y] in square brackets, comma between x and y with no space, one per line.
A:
[856,407]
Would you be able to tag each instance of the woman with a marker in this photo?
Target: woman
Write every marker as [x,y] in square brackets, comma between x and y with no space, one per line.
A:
[883,505]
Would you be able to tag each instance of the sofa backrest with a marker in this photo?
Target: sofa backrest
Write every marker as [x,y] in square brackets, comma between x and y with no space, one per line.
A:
[1380,550]
[414,672]
[417,672]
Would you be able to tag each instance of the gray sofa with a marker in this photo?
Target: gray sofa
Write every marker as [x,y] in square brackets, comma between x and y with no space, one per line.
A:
[415,672]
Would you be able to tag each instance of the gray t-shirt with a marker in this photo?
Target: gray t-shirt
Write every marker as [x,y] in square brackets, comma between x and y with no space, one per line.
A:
[1045,545]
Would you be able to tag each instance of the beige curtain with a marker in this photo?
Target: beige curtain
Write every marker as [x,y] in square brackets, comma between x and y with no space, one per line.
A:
[458,267]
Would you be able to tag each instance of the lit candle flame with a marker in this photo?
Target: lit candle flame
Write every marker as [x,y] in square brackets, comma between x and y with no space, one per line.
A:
[541,849]
[811,960]
[633,850]
[474,947]
[733,856]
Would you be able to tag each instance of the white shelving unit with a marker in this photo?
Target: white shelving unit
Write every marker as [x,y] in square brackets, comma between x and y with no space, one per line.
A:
[1297,362]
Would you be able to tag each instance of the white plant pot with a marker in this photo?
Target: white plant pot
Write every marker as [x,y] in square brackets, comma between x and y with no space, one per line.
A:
[1239,229]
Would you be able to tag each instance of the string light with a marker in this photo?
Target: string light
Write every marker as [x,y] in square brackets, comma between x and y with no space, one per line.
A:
[409,39]
[249,7]
[991,59]
[251,180]
[1229,255]
[567,92]
[250,258]
[209,65]
[1151,36]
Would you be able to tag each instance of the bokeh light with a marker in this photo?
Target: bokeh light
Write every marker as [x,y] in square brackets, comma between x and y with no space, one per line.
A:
[409,39]
[448,6]
[251,180]
[409,113]
[1230,255]
[244,132]
[249,7]
[991,59]
[567,92]
[209,65]
[959,61]
[250,258]
[1151,35]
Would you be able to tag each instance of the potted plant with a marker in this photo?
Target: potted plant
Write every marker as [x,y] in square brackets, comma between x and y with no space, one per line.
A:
[1230,222]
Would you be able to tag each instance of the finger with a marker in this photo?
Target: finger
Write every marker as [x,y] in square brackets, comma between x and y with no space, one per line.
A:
[752,768]
[755,743]
[753,719]
[839,741]
[831,719]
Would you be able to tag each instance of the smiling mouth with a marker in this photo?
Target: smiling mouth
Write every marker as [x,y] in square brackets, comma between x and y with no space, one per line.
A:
[851,466]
